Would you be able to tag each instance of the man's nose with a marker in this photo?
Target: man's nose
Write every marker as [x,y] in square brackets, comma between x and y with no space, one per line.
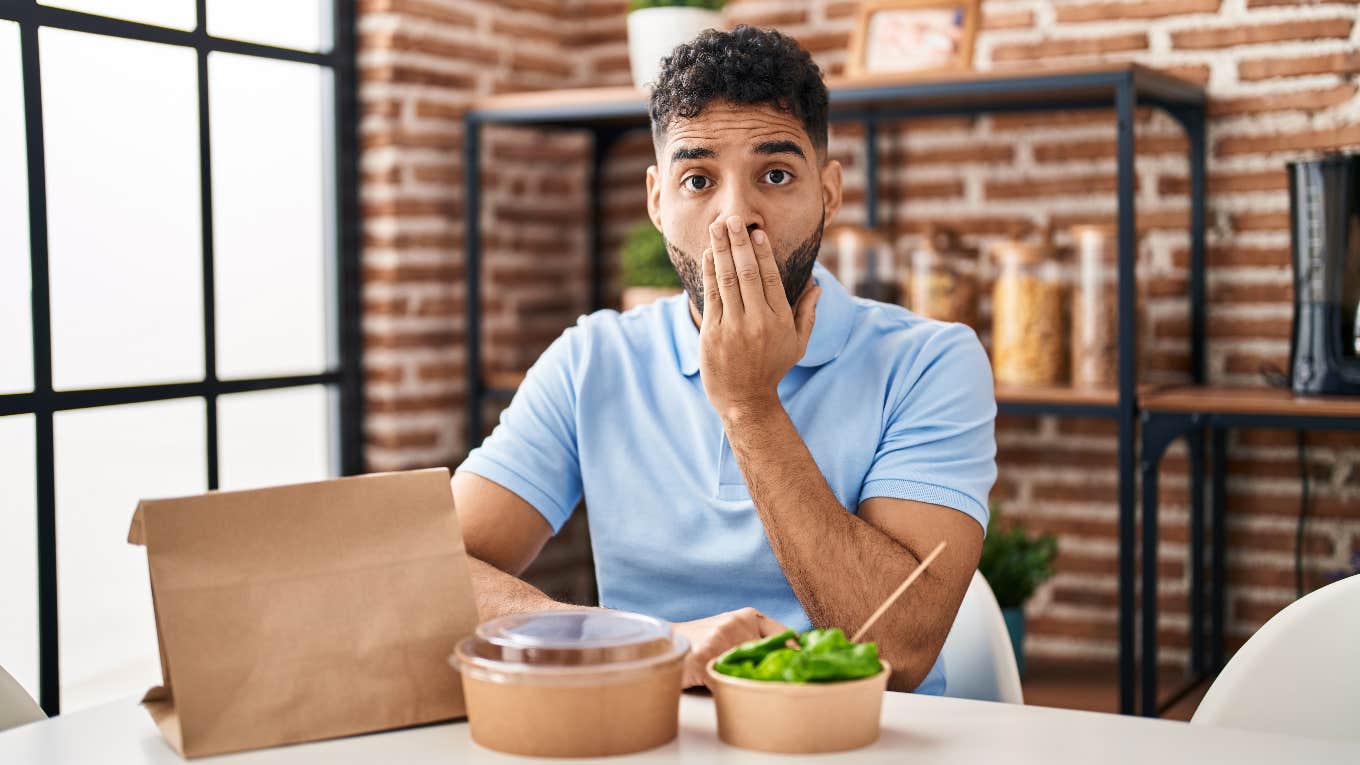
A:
[738,204]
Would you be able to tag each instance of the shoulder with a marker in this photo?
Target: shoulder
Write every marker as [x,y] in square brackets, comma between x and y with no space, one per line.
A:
[910,342]
[610,333]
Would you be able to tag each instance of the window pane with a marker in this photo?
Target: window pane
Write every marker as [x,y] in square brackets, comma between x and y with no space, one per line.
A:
[270,207]
[19,552]
[16,318]
[176,14]
[300,24]
[120,121]
[106,460]
[272,437]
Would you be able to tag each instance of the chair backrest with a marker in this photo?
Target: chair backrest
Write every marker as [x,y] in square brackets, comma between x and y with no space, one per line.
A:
[979,662]
[1299,674]
[16,706]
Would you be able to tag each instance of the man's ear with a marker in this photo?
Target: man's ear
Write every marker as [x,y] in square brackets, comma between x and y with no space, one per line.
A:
[654,196]
[831,188]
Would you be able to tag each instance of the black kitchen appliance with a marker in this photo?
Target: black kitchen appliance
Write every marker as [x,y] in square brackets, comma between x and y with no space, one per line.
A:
[1324,221]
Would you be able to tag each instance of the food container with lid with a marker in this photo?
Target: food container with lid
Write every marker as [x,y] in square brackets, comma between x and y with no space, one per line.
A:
[941,281]
[572,683]
[865,262]
[1029,314]
[798,718]
[1095,307]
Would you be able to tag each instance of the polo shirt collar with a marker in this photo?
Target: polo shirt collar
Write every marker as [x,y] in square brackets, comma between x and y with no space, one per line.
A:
[835,319]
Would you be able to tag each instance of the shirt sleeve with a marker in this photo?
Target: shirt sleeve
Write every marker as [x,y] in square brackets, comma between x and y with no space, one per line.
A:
[533,450]
[939,437]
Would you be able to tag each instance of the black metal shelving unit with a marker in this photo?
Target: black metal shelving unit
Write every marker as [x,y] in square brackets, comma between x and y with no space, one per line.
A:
[608,113]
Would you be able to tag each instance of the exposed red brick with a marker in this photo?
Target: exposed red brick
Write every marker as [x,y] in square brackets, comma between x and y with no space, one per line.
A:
[1341,62]
[1070,46]
[406,439]
[1253,34]
[1143,9]
[1305,100]
[1010,19]
[1307,140]
[1222,183]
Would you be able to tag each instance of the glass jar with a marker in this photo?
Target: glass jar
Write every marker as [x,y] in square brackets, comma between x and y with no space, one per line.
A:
[1095,308]
[865,262]
[1029,315]
[942,281]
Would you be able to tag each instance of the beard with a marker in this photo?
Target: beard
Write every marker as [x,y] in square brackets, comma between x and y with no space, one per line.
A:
[793,270]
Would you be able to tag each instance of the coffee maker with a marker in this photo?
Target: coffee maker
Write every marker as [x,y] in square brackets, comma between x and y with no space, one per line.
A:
[1324,222]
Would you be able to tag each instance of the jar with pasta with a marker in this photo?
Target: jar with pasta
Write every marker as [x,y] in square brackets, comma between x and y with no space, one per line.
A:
[941,280]
[1029,315]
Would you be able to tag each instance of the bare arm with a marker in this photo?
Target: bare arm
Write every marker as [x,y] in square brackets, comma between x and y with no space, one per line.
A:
[842,566]
[503,534]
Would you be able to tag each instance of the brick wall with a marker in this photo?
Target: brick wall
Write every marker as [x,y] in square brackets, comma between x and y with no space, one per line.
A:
[1282,76]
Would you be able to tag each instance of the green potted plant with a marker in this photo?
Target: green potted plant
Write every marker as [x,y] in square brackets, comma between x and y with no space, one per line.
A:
[1015,562]
[646,268]
[655,27]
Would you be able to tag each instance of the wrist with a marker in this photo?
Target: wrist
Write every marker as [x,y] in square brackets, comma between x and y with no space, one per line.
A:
[752,411]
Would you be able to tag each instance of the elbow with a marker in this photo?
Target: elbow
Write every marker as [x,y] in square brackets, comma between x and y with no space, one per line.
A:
[910,665]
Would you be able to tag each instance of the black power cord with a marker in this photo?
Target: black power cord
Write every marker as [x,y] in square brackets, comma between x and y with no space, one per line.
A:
[1276,378]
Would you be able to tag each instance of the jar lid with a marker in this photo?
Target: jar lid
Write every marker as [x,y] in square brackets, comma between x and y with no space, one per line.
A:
[571,638]
[1096,240]
[1014,250]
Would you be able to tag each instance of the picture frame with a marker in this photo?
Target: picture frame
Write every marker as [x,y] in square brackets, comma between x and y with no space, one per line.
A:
[913,37]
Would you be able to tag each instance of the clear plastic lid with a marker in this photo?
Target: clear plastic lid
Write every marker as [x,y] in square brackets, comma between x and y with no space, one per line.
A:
[570,639]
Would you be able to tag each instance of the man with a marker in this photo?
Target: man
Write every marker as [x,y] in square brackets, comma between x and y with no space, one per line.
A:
[765,450]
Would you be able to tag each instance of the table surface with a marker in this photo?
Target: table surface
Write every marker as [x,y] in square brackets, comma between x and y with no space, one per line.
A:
[1263,401]
[915,729]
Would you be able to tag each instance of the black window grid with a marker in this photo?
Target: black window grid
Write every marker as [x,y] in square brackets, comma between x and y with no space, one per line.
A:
[43,402]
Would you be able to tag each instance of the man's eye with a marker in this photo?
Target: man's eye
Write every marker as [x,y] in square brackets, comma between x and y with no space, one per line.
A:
[695,183]
[779,177]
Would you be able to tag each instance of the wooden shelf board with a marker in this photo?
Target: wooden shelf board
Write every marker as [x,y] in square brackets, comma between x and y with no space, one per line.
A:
[1236,400]
[980,90]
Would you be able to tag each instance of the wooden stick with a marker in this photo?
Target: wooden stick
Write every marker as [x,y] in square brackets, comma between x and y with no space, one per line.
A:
[898,592]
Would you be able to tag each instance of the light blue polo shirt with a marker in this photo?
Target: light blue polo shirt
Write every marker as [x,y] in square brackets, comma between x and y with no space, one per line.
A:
[889,403]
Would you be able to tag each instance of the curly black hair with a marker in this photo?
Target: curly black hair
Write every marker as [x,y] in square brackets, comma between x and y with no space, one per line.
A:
[743,66]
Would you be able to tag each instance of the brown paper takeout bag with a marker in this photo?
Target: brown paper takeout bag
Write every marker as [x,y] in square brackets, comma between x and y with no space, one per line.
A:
[305,612]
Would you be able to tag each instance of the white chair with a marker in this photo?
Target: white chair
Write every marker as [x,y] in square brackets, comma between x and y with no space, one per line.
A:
[979,662]
[16,706]
[1299,674]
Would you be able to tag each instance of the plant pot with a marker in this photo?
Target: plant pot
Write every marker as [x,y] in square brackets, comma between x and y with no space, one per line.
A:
[1015,625]
[654,32]
[633,297]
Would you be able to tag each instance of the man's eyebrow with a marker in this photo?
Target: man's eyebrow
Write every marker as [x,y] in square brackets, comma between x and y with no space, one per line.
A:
[779,147]
[692,152]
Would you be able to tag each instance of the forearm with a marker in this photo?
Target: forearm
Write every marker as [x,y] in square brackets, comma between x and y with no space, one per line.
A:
[839,566]
[499,593]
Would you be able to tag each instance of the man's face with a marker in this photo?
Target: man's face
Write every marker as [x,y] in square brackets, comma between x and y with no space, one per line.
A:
[753,161]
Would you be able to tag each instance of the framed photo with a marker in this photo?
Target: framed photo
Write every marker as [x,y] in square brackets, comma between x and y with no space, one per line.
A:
[913,36]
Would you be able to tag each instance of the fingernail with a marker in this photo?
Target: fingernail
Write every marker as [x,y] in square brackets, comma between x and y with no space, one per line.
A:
[758,237]
[734,224]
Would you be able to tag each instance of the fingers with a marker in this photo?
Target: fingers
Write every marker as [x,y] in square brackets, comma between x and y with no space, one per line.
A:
[725,269]
[769,272]
[805,315]
[749,276]
[713,305]
[770,626]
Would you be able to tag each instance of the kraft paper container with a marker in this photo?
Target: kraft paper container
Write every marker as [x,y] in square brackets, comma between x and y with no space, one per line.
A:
[798,718]
[572,683]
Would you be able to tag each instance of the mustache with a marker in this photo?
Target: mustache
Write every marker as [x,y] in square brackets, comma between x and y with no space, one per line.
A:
[793,272]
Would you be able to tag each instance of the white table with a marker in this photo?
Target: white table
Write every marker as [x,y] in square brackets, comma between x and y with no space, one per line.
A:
[916,729]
